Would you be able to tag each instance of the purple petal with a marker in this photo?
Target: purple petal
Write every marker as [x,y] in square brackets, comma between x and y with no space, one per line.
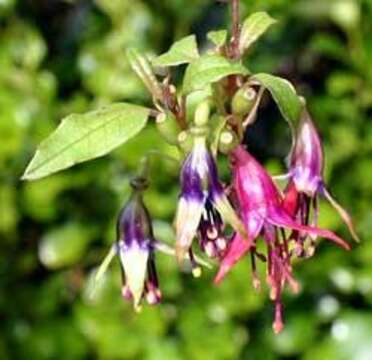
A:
[306,160]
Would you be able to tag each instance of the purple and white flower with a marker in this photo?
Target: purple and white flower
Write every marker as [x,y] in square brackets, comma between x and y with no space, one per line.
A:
[136,249]
[203,205]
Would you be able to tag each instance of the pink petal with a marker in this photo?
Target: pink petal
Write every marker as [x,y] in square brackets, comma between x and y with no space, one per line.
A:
[240,246]
[277,216]
[290,202]
[237,249]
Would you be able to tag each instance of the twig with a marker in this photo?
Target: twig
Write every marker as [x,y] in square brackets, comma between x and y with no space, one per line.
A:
[235,18]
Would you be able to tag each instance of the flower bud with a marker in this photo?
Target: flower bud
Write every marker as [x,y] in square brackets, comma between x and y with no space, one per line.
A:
[243,101]
[228,141]
[202,114]
[193,100]
[185,141]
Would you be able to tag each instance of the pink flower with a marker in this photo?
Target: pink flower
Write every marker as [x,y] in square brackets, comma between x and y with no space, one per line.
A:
[261,209]
[306,181]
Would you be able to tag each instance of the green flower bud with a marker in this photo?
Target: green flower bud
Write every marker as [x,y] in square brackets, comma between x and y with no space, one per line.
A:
[193,100]
[202,114]
[243,101]
[228,141]
[185,141]
[167,125]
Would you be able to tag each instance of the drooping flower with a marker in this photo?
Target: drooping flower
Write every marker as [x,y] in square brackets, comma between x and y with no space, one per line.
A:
[136,246]
[136,249]
[262,212]
[306,181]
[203,205]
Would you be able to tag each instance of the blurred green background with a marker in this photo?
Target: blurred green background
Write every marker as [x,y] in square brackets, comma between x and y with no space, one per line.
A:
[58,57]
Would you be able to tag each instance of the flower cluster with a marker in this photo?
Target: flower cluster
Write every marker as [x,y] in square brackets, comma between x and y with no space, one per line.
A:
[250,217]
[204,120]
[228,222]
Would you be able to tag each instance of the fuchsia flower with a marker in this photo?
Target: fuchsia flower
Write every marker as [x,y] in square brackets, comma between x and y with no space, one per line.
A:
[136,249]
[261,209]
[203,204]
[306,181]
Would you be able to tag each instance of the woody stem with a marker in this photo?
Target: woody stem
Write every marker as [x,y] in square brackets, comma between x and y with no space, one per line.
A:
[235,15]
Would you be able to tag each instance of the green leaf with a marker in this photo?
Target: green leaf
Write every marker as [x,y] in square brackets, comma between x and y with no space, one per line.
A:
[253,27]
[142,67]
[81,137]
[284,95]
[209,69]
[181,52]
[218,37]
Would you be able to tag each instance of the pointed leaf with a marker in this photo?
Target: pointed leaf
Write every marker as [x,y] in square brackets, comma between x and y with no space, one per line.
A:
[252,29]
[209,69]
[181,52]
[218,37]
[81,137]
[284,95]
[142,67]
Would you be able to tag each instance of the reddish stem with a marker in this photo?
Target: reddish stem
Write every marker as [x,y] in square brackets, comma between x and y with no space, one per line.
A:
[235,16]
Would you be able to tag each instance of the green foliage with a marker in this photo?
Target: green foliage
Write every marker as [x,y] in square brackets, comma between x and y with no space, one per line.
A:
[284,94]
[181,52]
[218,37]
[253,28]
[83,137]
[208,70]
[47,309]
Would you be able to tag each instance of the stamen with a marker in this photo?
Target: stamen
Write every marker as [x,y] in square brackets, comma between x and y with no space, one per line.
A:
[151,298]
[210,249]
[212,233]
[126,293]
[196,269]
[255,279]
[278,321]
[221,243]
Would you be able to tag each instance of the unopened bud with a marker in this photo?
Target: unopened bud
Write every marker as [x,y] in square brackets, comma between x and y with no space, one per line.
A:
[167,125]
[202,114]
[228,141]
[185,141]
[243,101]
[192,102]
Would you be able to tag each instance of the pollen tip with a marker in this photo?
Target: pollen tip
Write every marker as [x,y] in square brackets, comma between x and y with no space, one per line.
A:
[295,286]
[138,308]
[277,327]
[256,284]
[197,272]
